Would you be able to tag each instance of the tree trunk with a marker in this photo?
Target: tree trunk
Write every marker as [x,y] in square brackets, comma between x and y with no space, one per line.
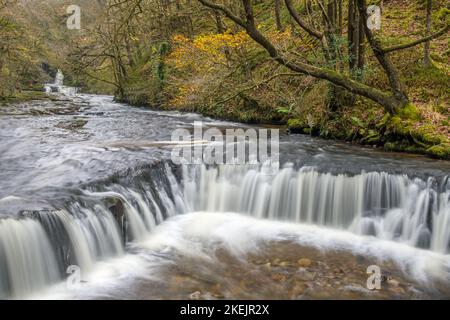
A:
[341,13]
[219,23]
[426,58]
[361,49]
[278,15]
[351,36]
[383,58]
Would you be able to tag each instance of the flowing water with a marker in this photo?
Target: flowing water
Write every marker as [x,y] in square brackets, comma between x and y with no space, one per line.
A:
[88,182]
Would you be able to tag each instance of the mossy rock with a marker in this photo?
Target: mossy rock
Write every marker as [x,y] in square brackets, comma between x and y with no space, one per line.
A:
[427,135]
[402,146]
[441,151]
[296,125]
[24,96]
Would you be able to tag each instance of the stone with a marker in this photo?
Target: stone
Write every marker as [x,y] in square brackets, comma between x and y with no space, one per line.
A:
[304,262]
[305,275]
[397,290]
[195,295]
[77,123]
[268,266]
[298,289]
[393,282]
[279,277]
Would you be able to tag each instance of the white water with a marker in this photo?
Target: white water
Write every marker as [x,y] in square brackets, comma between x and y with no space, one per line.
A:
[59,86]
[27,261]
[390,207]
[86,233]
[198,235]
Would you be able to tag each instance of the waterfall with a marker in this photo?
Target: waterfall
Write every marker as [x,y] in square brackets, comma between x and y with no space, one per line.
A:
[98,222]
[37,247]
[379,204]
[58,85]
[59,78]
[27,261]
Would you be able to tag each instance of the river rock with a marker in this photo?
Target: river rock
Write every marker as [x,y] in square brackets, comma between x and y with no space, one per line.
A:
[284,264]
[72,125]
[397,290]
[268,266]
[195,295]
[304,262]
[298,289]
[279,277]
[393,282]
[305,275]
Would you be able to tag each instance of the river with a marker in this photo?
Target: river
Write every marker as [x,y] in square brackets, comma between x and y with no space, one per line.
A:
[87,184]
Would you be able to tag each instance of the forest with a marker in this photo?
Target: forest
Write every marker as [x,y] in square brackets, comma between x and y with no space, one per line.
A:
[315,66]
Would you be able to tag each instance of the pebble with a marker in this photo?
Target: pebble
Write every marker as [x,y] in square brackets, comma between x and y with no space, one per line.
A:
[305,275]
[397,290]
[393,283]
[304,262]
[195,295]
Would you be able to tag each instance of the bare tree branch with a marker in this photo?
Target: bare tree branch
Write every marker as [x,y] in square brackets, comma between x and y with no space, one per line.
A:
[418,41]
[300,21]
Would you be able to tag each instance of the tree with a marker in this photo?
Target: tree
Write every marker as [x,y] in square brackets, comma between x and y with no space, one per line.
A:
[18,53]
[426,58]
[392,101]
[278,15]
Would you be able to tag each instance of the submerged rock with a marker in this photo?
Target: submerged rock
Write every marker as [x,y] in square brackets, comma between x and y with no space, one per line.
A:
[304,262]
[77,123]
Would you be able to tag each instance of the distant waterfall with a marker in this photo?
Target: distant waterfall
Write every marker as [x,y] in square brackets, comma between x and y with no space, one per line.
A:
[59,78]
[58,85]
[387,206]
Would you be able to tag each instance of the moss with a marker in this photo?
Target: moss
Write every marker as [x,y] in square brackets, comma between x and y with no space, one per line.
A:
[397,126]
[296,123]
[402,146]
[372,137]
[410,111]
[24,96]
[441,151]
[427,134]
[407,135]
